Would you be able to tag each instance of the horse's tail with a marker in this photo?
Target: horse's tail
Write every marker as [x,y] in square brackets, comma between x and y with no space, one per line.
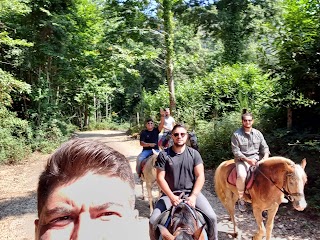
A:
[219,183]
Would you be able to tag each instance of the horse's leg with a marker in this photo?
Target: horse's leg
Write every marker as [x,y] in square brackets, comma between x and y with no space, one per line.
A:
[149,190]
[257,212]
[142,181]
[270,221]
[229,203]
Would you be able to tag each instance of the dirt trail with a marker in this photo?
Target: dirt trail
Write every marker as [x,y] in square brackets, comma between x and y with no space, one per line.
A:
[18,199]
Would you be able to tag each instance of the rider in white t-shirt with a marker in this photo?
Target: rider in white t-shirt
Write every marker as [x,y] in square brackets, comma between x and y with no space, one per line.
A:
[169,122]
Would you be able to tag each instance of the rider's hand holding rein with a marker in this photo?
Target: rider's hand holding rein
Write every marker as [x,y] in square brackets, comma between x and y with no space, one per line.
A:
[175,200]
[250,161]
[191,200]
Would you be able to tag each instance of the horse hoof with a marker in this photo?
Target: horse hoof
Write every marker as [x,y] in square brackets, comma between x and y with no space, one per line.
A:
[234,235]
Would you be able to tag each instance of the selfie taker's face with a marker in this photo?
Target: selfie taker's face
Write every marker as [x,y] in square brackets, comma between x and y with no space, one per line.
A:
[92,207]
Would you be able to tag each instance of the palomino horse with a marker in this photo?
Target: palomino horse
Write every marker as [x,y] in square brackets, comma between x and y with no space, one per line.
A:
[184,224]
[274,177]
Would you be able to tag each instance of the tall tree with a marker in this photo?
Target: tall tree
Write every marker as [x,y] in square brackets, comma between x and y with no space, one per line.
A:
[169,46]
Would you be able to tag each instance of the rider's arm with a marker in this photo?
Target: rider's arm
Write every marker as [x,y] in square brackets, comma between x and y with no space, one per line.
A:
[264,147]
[144,144]
[200,178]
[161,124]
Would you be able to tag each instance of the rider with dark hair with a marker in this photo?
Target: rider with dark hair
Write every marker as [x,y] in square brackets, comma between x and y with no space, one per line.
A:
[180,169]
[248,147]
[149,140]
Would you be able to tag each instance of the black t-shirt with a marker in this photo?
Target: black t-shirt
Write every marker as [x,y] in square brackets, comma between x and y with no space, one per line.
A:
[150,137]
[179,168]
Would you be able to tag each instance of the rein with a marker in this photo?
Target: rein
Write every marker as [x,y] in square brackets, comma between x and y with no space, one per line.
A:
[191,209]
[287,193]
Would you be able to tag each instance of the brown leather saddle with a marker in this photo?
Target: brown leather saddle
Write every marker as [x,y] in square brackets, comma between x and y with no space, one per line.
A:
[232,178]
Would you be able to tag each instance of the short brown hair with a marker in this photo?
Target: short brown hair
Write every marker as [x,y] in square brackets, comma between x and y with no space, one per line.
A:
[77,157]
[246,113]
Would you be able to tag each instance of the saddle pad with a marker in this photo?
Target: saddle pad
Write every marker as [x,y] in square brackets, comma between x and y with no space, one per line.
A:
[232,178]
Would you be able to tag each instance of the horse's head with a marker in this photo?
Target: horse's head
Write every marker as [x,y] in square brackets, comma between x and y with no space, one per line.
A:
[184,225]
[193,140]
[295,185]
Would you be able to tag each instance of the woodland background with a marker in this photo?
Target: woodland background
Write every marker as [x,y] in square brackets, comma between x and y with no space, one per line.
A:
[68,65]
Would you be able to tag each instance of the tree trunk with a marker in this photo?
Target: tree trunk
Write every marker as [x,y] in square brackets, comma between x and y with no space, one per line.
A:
[289,118]
[168,27]
[107,107]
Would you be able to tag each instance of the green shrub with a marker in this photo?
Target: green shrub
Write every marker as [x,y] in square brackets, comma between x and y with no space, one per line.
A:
[215,139]
[12,149]
[50,135]
[108,125]
[15,135]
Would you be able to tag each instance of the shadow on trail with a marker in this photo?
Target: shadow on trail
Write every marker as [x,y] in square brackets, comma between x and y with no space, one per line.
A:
[18,206]
[143,207]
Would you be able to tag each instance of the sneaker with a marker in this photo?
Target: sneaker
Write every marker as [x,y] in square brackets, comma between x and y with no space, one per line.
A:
[242,205]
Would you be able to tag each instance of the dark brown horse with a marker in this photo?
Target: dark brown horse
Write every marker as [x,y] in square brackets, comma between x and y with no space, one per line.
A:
[184,225]
[275,177]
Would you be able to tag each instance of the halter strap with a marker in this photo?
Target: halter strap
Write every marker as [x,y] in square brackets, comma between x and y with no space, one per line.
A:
[287,193]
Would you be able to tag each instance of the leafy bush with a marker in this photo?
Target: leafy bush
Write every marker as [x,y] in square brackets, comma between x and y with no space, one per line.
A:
[215,139]
[110,125]
[50,135]
[12,149]
[15,134]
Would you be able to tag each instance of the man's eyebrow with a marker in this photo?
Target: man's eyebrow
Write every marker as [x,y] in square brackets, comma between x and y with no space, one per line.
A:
[106,205]
[57,210]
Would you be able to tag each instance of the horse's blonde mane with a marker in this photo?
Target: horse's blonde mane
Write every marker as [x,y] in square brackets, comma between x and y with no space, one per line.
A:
[274,160]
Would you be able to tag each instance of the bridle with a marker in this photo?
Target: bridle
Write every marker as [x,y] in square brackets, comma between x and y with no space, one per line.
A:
[285,189]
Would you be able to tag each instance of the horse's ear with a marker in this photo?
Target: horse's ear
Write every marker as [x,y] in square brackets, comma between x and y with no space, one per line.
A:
[198,232]
[166,235]
[303,163]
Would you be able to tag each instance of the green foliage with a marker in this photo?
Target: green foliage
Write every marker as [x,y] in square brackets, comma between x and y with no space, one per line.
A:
[12,149]
[8,86]
[108,125]
[214,138]
[50,135]
[15,134]
[235,87]
[228,88]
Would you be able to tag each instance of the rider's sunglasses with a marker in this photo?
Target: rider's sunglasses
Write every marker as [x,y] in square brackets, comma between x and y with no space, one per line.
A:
[247,120]
[177,134]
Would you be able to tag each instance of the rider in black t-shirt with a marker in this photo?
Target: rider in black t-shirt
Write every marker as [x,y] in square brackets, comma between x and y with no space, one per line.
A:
[149,140]
[180,169]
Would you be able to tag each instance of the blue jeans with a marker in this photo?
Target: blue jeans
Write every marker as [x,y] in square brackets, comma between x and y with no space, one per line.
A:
[143,155]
